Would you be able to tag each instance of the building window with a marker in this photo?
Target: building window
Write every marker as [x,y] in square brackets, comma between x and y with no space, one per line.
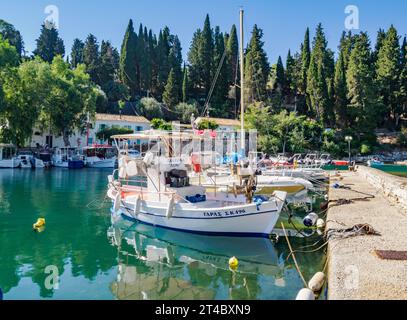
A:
[139,128]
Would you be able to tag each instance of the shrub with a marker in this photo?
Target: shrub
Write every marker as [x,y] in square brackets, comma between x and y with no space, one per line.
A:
[160,124]
[205,124]
[150,108]
[185,111]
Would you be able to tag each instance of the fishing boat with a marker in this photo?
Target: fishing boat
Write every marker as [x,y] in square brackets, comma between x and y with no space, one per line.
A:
[8,157]
[30,161]
[68,158]
[100,156]
[168,200]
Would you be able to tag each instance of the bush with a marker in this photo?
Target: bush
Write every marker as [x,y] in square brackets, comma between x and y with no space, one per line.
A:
[185,111]
[365,149]
[160,124]
[402,138]
[107,133]
[150,108]
[205,124]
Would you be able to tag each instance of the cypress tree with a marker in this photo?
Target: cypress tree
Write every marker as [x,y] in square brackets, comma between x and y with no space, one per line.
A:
[194,71]
[340,89]
[257,68]
[91,58]
[109,63]
[185,85]
[388,72]
[290,85]
[171,91]
[280,76]
[163,49]
[206,51]
[303,103]
[220,94]
[49,44]
[233,56]
[403,76]
[77,53]
[381,36]
[320,74]
[362,95]
[345,47]
[128,60]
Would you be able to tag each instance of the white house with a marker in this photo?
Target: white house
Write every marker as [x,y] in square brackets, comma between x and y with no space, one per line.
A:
[227,125]
[102,121]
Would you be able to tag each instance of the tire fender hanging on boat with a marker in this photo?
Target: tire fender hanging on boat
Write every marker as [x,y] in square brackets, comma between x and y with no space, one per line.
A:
[170,208]
[117,202]
[137,206]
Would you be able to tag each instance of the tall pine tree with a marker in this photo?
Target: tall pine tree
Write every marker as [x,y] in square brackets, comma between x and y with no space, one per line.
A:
[91,58]
[387,73]
[77,53]
[340,89]
[49,44]
[257,68]
[362,93]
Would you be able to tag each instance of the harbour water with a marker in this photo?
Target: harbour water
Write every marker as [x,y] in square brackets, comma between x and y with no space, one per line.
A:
[95,260]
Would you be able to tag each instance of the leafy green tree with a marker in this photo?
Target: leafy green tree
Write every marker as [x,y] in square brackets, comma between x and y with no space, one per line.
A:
[257,68]
[128,60]
[91,58]
[388,72]
[77,53]
[345,47]
[9,32]
[8,54]
[49,44]
[70,98]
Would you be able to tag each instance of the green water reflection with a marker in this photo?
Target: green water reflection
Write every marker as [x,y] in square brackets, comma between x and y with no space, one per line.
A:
[96,260]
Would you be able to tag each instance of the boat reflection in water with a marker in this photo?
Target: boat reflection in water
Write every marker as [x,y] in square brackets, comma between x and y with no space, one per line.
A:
[156,263]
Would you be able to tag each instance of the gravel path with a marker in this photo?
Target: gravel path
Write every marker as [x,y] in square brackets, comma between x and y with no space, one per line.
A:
[354,271]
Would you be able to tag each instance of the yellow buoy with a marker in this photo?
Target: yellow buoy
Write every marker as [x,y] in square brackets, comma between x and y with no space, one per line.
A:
[40,223]
[233,263]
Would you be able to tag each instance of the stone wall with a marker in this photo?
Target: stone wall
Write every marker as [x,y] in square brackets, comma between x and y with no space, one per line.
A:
[393,187]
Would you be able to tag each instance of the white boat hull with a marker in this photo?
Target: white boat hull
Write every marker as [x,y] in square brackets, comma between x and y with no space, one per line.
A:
[237,220]
[105,163]
[10,163]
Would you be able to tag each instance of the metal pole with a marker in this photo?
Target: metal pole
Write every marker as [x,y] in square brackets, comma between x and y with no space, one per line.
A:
[242,108]
[349,150]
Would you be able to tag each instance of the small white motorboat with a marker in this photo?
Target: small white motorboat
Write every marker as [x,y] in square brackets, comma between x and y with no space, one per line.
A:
[100,156]
[67,157]
[8,157]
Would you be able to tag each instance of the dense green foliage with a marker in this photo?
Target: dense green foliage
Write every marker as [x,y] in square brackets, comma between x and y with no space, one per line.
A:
[107,133]
[206,124]
[293,102]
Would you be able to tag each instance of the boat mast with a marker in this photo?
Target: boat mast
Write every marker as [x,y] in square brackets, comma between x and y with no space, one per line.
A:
[242,132]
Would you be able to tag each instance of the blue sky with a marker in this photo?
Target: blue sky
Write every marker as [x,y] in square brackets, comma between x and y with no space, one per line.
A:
[283,21]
